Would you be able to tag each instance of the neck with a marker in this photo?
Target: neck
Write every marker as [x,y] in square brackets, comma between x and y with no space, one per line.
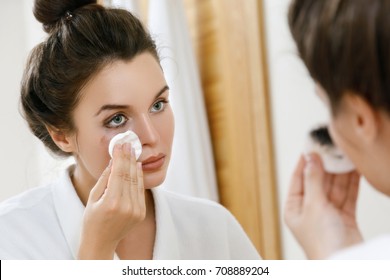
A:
[82,183]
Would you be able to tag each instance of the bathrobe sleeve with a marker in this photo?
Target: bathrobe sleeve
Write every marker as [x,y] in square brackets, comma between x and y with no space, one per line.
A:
[376,249]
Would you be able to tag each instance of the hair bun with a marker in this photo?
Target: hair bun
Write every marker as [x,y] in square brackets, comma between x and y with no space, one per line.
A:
[49,12]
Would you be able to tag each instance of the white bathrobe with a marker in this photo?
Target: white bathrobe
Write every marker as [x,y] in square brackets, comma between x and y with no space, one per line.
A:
[375,249]
[45,223]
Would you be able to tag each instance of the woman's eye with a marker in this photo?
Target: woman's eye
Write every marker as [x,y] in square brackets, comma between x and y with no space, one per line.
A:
[117,121]
[158,106]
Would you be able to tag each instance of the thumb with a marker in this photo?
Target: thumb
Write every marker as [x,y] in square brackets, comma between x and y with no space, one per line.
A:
[314,175]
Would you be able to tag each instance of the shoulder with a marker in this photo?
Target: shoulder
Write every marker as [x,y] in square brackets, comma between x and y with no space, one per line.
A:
[26,200]
[195,211]
[375,249]
[30,224]
[38,197]
[217,232]
[20,217]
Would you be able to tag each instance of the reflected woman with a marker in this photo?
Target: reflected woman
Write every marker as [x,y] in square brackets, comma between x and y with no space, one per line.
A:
[96,75]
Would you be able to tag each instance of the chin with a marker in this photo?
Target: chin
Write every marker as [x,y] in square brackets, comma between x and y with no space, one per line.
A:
[153,180]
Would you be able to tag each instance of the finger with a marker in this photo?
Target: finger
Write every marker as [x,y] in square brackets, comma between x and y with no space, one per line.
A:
[126,184]
[328,181]
[353,193]
[120,172]
[296,184]
[134,179]
[293,204]
[141,188]
[314,175]
[339,189]
[101,185]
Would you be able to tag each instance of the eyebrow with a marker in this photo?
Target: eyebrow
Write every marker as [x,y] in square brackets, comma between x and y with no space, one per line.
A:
[108,107]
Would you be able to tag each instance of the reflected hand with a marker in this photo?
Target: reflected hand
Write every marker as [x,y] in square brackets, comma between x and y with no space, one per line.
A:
[321,208]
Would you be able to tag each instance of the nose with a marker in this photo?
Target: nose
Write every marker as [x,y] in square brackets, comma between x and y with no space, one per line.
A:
[146,131]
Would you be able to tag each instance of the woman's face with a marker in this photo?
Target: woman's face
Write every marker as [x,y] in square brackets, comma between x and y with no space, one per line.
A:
[125,95]
[367,155]
[339,129]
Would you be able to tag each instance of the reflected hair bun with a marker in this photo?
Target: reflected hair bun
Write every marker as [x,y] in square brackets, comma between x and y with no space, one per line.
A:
[49,12]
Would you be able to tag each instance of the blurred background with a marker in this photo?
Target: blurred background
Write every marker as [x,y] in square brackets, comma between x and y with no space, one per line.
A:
[243,104]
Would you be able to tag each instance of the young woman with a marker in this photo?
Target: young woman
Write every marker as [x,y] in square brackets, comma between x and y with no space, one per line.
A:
[96,75]
[345,45]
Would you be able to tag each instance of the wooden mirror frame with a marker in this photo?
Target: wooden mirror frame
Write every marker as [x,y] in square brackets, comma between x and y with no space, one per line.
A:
[229,41]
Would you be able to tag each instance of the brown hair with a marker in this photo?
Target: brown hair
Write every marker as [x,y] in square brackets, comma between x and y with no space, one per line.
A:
[83,38]
[345,44]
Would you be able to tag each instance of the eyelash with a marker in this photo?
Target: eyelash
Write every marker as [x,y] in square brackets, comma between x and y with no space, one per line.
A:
[164,102]
[110,120]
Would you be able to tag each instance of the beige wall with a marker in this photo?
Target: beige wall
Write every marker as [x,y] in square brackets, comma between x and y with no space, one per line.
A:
[16,154]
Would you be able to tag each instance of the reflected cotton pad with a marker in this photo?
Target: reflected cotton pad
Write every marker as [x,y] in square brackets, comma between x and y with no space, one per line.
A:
[126,137]
[333,159]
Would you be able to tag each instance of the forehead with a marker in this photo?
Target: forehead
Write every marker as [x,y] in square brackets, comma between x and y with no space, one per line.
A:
[124,82]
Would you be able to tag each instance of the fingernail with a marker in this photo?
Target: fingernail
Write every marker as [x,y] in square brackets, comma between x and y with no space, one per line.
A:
[310,162]
[132,152]
[118,147]
[127,148]
[309,158]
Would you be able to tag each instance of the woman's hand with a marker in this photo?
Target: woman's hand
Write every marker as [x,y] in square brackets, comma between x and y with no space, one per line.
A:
[321,208]
[115,205]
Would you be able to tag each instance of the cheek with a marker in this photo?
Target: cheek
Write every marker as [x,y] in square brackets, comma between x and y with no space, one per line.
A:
[342,138]
[167,127]
[93,150]
[334,133]
[105,141]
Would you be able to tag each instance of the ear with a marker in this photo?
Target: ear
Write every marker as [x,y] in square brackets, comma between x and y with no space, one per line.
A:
[365,120]
[62,140]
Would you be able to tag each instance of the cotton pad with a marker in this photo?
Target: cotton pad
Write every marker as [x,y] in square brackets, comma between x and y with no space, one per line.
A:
[126,137]
[333,159]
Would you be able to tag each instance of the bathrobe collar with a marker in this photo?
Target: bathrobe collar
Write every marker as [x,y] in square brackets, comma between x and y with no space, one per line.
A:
[70,211]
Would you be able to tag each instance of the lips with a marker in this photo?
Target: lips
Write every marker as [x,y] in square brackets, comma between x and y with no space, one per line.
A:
[153,163]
